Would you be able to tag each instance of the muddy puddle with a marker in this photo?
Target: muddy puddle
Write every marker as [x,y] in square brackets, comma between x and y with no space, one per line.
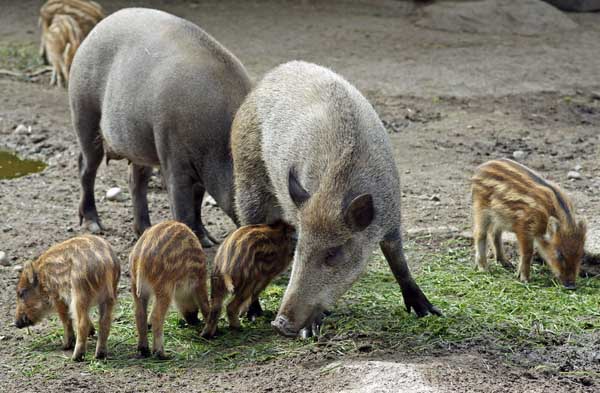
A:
[12,166]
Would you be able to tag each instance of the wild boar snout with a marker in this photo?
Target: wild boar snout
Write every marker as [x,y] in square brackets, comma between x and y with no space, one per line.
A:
[22,321]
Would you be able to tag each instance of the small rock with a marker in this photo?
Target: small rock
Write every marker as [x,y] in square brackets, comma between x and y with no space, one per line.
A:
[519,154]
[435,198]
[574,175]
[596,95]
[209,201]
[17,268]
[114,194]
[3,259]
[578,168]
[22,129]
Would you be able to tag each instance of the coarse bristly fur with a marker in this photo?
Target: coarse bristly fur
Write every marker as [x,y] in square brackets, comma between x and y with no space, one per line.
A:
[71,277]
[508,196]
[61,41]
[167,262]
[247,261]
[85,13]
[309,148]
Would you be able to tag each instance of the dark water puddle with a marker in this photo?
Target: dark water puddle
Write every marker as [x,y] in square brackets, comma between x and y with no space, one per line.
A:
[12,166]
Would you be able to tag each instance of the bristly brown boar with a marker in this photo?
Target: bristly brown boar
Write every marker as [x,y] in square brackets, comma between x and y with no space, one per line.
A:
[70,278]
[508,196]
[85,13]
[167,262]
[247,261]
[61,41]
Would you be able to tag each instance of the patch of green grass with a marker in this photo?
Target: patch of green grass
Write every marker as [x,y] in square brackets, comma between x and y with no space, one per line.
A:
[491,309]
[20,57]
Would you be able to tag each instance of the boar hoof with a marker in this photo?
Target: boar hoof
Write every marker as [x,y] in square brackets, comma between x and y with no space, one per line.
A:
[78,357]
[143,352]
[416,300]
[207,334]
[254,311]
[206,242]
[69,345]
[101,355]
[191,318]
[161,355]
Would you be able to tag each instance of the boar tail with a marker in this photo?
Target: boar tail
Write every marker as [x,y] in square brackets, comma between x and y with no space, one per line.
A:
[138,281]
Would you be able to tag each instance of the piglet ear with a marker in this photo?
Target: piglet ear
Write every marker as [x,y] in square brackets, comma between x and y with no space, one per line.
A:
[552,228]
[298,194]
[31,275]
[582,225]
[360,213]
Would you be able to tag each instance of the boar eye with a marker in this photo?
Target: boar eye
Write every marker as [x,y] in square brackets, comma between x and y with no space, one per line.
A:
[560,257]
[21,293]
[332,253]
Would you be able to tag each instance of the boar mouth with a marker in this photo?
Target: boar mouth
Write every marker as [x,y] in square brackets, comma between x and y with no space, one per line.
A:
[23,322]
[284,327]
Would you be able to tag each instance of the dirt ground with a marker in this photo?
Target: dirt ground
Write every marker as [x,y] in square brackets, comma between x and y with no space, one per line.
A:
[450,99]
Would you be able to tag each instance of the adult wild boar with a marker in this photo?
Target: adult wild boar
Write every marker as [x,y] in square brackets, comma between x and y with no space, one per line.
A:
[157,90]
[310,149]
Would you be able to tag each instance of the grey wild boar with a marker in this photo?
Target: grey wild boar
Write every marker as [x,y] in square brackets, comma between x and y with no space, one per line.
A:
[310,149]
[247,261]
[61,41]
[156,90]
[167,263]
[71,277]
[508,196]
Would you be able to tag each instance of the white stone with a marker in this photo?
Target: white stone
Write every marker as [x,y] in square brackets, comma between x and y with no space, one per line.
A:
[22,129]
[209,201]
[3,259]
[578,167]
[574,175]
[17,268]
[114,194]
[519,154]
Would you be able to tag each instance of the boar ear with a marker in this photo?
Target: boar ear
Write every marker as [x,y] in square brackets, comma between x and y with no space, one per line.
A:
[298,194]
[360,213]
[552,228]
[30,274]
[582,225]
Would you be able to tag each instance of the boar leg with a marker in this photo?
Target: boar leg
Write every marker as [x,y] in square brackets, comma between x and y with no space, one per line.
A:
[83,329]
[526,253]
[233,311]
[481,225]
[499,249]
[105,310]
[138,188]
[414,298]
[63,313]
[159,312]
[199,191]
[181,196]
[141,321]
[86,125]
[217,295]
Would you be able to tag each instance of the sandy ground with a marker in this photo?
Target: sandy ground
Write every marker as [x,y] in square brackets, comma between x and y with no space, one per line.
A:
[450,99]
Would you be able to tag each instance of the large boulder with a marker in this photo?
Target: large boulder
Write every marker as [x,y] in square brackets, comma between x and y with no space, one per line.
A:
[523,17]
